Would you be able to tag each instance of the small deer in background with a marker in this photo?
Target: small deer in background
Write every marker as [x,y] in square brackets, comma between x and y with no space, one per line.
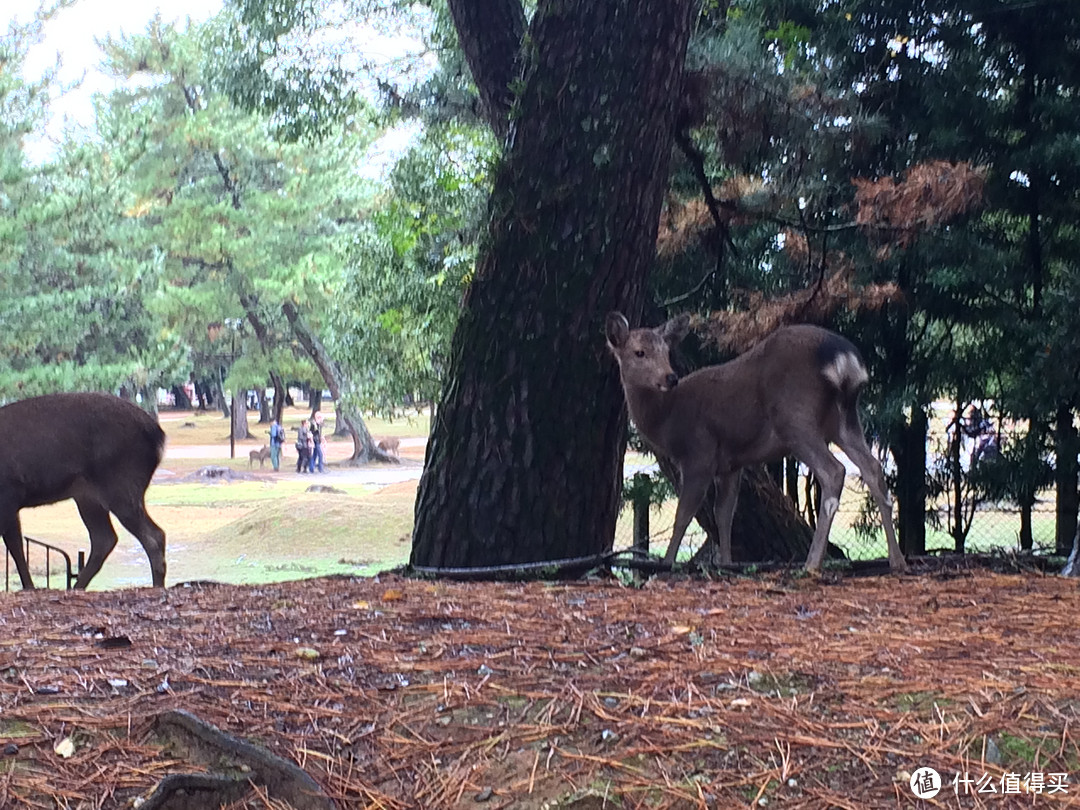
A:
[390,446]
[99,450]
[791,394]
[260,455]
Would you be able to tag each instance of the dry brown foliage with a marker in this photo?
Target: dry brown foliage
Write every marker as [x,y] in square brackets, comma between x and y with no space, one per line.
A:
[757,316]
[930,194]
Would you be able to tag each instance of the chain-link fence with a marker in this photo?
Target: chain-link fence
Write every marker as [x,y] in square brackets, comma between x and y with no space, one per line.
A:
[988,488]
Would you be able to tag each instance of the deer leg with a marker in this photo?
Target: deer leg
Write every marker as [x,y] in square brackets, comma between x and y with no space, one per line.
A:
[853,443]
[102,537]
[13,539]
[695,483]
[727,496]
[830,474]
[134,518]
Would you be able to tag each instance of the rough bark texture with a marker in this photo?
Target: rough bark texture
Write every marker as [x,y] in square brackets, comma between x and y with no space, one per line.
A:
[490,34]
[524,460]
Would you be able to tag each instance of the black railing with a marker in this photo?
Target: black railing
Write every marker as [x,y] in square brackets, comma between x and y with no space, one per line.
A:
[69,577]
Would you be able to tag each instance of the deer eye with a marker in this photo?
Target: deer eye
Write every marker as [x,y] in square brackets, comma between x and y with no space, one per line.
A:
[639,353]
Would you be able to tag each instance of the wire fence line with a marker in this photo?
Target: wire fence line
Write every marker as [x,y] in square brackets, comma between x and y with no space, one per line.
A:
[993,527]
[989,484]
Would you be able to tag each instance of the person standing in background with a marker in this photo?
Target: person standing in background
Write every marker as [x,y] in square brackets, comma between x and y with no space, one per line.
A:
[277,439]
[303,441]
[318,445]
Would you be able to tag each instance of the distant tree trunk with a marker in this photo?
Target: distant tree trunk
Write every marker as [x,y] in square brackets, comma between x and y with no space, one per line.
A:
[264,408]
[219,394]
[340,428]
[180,398]
[1066,449]
[525,456]
[910,454]
[1027,536]
[239,415]
[791,480]
[280,393]
[766,528]
[316,400]
[149,400]
[203,394]
[956,481]
[364,448]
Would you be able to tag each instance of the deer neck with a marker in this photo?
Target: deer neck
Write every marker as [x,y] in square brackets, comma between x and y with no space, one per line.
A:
[650,410]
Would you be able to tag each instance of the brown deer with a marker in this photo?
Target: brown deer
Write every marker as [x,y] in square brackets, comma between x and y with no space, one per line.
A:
[791,394]
[99,450]
[390,446]
[260,455]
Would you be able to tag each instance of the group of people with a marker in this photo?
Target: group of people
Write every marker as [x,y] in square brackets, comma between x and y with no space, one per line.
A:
[310,445]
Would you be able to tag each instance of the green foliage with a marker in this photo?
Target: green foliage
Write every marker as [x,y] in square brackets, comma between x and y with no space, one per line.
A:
[410,265]
[72,315]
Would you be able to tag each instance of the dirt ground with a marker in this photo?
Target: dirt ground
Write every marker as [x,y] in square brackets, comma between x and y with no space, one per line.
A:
[397,693]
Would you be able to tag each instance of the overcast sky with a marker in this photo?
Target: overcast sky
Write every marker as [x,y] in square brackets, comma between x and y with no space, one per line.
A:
[71,34]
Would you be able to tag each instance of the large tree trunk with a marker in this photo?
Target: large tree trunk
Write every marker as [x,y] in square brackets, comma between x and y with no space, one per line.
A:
[490,34]
[364,448]
[525,457]
[1066,448]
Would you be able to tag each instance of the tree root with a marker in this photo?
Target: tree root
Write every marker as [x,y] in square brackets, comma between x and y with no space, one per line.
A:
[239,765]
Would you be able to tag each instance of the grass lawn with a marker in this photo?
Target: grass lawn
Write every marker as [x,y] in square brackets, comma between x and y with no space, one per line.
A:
[265,530]
[270,529]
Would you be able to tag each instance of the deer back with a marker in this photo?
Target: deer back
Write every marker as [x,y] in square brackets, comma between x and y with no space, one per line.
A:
[56,444]
[799,378]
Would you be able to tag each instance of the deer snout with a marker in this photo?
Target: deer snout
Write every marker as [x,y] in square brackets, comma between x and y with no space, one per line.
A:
[670,381]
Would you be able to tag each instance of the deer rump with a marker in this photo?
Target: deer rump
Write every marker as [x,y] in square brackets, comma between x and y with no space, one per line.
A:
[97,449]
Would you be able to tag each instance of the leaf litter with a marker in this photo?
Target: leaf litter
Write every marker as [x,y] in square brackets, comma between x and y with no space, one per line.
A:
[398,693]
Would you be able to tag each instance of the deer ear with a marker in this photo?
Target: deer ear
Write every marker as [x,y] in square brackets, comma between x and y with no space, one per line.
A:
[617,329]
[676,329]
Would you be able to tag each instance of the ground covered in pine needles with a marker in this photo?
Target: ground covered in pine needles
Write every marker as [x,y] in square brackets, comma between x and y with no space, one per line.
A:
[397,693]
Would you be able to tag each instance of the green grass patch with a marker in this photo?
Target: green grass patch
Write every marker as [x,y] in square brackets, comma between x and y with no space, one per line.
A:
[246,532]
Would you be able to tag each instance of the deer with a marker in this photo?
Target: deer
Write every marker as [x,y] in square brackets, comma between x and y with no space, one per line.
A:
[260,455]
[97,449]
[390,446]
[793,393]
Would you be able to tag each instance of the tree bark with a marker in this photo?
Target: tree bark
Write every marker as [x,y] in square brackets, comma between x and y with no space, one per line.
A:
[364,448]
[1067,502]
[490,33]
[910,453]
[240,429]
[279,395]
[525,457]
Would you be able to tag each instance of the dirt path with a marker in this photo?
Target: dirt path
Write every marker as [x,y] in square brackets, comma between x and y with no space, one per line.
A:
[378,474]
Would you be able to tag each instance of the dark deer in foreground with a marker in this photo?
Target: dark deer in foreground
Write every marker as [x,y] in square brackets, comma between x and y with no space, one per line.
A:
[792,394]
[99,450]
